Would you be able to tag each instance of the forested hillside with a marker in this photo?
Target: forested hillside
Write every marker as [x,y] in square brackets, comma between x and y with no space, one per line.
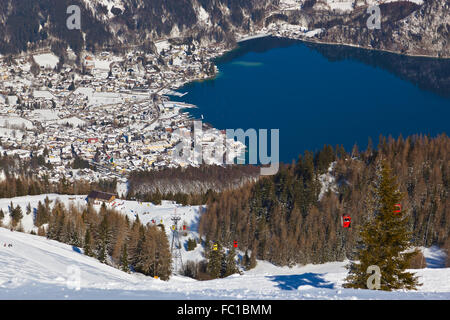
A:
[282,219]
[20,177]
[189,185]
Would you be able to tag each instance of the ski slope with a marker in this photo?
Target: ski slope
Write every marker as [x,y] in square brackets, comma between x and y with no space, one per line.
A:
[147,212]
[39,268]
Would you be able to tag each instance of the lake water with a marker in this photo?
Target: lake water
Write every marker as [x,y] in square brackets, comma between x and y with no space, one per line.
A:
[323,94]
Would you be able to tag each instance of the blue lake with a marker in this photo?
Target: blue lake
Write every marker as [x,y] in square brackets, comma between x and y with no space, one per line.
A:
[323,94]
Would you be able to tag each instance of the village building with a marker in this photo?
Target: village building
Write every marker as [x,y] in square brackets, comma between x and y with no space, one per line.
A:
[99,197]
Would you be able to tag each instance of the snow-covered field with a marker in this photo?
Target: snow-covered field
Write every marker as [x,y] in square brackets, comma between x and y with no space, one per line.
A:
[38,268]
[15,121]
[46,60]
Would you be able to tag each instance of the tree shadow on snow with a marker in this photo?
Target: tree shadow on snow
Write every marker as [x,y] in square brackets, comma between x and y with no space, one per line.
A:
[293,282]
[435,262]
[435,257]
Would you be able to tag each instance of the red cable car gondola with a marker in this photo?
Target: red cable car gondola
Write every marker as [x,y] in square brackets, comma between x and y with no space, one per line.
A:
[346,221]
[235,243]
[397,208]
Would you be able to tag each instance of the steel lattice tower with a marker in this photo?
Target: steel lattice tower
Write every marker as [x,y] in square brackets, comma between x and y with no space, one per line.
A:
[175,247]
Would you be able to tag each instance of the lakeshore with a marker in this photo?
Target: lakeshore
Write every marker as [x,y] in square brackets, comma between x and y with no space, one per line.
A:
[358,94]
[117,87]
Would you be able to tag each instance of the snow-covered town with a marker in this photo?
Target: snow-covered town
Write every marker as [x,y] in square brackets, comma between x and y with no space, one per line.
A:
[110,113]
[114,115]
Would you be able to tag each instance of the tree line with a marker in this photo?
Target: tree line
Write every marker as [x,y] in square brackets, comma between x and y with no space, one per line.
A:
[190,185]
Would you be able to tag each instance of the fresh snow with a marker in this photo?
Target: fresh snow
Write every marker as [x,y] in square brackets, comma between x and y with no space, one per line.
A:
[251,37]
[162,45]
[15,121]
[327,181]
[37,268]
[42,115]
[74,121]
[341,5]
[313,33]
[203,16]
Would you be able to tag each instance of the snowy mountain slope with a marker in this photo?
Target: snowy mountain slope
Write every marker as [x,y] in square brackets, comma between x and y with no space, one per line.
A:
[147,212]
[36,268]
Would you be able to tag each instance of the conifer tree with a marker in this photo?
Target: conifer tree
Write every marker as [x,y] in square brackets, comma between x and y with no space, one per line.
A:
[246,260]
[42,215]
[138,258]
[252,263]
[104,240]
[164,257]
[215,262]
[124,259]
[16,214]
[191,244]
[41,231]
[384,240]
[101,256]
[87,243]
[230,263]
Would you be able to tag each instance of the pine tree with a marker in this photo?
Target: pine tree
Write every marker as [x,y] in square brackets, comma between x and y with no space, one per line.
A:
[384,241]
[252,260]
[215,262]
[101,256]
[28,208]
[230,264]
[138,257]
[191,244]
[41,231]
[246,260]
[57,222]
[42,215]
[87,243]
[104,240]
[16,214]
[164,257]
